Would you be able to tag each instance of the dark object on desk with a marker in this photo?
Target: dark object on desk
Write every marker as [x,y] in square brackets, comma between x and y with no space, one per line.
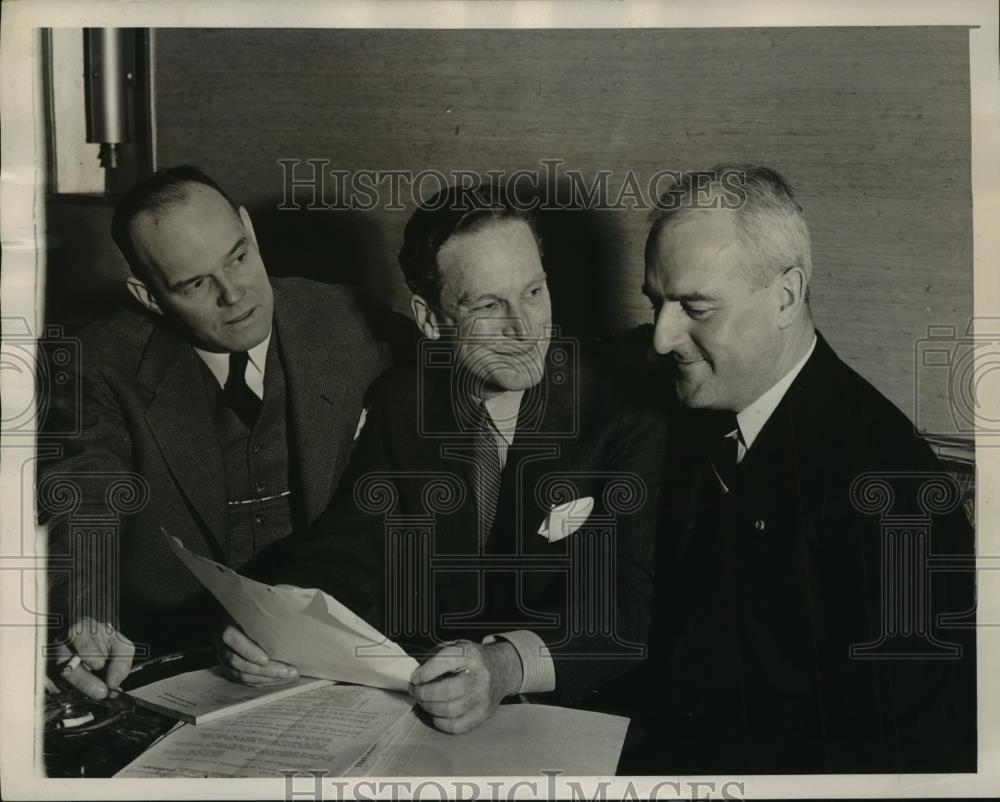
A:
[101,750]
[72,713]
[96,738]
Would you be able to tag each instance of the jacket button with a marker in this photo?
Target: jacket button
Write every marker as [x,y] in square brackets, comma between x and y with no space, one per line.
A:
[257,448]
[259,487]
[759,525]
[260,518]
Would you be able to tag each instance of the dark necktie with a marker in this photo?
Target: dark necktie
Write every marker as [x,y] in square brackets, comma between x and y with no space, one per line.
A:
[485,473]
[725,449]
[236,394]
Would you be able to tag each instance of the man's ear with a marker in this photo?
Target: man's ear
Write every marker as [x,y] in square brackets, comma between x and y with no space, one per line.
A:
[425,317]
[245,219]
[792,286]
[143,294]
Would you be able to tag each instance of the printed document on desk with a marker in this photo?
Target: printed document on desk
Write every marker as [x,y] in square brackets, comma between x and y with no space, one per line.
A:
[352,731]
[304,627]
[327,729]
[198,697]
[519,739]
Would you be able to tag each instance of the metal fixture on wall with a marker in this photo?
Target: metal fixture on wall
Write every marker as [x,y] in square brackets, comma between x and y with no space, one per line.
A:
[109,75]
[99,115]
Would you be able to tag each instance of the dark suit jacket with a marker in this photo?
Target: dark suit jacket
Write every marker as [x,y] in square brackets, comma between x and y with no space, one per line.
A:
[144,410]
[763,592]
[587,596]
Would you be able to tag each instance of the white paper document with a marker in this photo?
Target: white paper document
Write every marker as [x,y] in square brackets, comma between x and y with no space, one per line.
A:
[198,697]
[520,739]
[304,627]
[346,730]
[325,729]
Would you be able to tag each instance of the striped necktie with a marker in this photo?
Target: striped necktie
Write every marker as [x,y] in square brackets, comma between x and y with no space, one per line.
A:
[485,473]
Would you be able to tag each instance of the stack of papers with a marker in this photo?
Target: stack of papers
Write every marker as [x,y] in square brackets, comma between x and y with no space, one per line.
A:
[198,697]
[327,729]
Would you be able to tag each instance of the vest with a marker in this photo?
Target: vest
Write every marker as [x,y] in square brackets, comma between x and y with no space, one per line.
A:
[259,485]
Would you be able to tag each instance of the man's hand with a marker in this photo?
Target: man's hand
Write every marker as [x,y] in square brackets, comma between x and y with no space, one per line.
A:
[462,683]
[244,661]
[94,647]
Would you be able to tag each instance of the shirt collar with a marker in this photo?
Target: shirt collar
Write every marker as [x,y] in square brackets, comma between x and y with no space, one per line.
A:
[218,362]
[503,410]
[752,419]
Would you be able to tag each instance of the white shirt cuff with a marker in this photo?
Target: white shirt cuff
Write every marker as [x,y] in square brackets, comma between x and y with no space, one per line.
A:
[537,670]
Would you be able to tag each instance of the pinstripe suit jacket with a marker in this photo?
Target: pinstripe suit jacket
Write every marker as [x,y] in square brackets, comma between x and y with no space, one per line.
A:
[144,411]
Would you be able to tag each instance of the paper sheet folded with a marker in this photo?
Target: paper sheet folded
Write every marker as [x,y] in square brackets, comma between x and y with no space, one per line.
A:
[304,627]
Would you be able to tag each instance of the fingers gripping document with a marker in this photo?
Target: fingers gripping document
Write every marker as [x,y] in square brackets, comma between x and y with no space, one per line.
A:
[304,627]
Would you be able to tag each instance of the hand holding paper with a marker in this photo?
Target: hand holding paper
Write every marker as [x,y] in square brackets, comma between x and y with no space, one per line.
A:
[244,661]
[463,682]
[304,628]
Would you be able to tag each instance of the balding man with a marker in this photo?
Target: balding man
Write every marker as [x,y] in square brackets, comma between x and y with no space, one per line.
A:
[234,398]
[780,644]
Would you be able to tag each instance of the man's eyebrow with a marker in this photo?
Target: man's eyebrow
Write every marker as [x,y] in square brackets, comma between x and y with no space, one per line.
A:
[649,292]
[177,285]
[239,244]
[692,296]
[469,300]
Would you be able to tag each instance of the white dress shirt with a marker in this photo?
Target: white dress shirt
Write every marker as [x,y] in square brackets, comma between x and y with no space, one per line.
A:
[218,363]
[503,410]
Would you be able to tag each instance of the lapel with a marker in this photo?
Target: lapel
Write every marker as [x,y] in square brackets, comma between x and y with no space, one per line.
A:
[181,421]
[539,446]
[314,397]
[787,447]
[689,480]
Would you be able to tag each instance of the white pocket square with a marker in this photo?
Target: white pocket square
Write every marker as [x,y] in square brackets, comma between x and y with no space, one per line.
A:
[361,423]
[564,519]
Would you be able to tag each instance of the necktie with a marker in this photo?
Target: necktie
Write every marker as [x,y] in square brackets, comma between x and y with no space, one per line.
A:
[236,394]
[725,449]
[485,473]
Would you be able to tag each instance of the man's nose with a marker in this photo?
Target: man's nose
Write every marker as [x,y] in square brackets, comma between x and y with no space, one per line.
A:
[670,329]
[516,326]
[230,292]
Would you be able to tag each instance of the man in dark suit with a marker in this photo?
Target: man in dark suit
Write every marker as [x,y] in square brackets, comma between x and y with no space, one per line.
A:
[224,411]
[498,512]
[794,630]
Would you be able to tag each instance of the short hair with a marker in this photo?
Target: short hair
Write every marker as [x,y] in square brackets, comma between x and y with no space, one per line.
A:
[164,188]
[772,226]
[451,211]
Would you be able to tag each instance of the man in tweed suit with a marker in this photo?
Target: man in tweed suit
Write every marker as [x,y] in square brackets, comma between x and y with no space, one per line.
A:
[234,398]
[536,578]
